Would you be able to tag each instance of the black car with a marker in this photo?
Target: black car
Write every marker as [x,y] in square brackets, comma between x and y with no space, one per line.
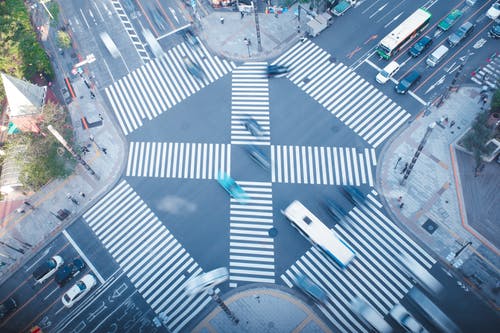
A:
[405,84]
[259,156]
[68,271]
[190,38]
[7,307]
[494,31]
[420,46]
[335,210]
[276,70]
[353,195]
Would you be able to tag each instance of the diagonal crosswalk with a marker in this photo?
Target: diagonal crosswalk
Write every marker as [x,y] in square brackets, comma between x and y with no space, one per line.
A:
[322,165]
[354,101]
[154,261]
[162,83]
[178,160]
[251,251]
[489,74]
[250,98]
[375,274]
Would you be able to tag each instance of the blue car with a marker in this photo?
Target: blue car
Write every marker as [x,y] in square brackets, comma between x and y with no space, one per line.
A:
[335,210]
[353,195]
[259,156]
[230,185]
[311,289]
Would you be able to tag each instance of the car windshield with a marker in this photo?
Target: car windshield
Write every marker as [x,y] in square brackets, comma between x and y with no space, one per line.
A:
[419,46]
[384,73]
[81,285]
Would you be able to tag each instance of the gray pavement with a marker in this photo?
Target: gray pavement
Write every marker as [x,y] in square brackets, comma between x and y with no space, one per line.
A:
[263,309]
[431,203]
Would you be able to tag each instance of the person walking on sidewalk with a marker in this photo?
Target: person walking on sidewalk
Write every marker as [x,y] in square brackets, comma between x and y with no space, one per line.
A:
[221,20]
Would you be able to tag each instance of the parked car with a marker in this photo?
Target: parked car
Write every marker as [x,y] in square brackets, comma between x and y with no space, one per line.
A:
[47,269]
[200,283]
[407,82]
[494,11]
[253,127]
[68,271]
[450,20]
[231,187]
[419,47]
[78,290]
[258,155]
[405,319]
[459,35]
[7,307]
[276,70]
[494,31]
[310,288]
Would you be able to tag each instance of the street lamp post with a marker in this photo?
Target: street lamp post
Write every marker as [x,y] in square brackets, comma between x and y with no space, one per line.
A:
[417,153]
[257,27]
[247,43]
[223,306]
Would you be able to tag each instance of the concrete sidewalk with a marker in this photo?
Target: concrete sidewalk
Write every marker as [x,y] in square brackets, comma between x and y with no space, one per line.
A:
[430,203]
[263,309]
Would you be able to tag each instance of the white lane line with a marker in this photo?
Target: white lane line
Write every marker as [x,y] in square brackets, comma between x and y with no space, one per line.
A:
[84,257]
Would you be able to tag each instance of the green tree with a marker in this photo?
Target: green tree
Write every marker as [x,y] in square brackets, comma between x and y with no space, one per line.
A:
[63,39]
[495,102]
[478,135]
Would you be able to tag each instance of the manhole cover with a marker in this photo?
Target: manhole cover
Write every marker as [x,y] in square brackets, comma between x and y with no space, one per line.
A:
[273,232]
[430,226]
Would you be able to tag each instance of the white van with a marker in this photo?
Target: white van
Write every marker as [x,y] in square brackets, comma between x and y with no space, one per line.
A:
[384,75]
[437,56]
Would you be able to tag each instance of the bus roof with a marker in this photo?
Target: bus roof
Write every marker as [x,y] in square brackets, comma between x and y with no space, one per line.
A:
[319,233]
[408,26]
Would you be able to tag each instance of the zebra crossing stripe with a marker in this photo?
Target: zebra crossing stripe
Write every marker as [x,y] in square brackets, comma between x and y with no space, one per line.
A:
[342,92]
[153,260]
[177,160]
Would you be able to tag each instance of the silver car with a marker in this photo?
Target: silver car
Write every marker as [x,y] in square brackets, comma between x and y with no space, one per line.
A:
[204,281]
[405,319]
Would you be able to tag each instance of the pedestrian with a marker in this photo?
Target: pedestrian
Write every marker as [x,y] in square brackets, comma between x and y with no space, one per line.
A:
[401,205]
[82,194]
[400,198]
[221,20]
[405,168]
[242,14]
[452,124]
[100,116]
[20,210]
[91,137]
[105,151]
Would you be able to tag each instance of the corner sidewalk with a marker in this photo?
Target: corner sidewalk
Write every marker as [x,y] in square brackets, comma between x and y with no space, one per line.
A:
[431,203]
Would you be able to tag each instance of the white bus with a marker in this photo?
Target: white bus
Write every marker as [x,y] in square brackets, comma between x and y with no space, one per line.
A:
[403,33]
[319,234]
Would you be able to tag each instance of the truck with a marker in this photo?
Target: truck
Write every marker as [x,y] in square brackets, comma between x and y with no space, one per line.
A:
[342,7]
[318,23]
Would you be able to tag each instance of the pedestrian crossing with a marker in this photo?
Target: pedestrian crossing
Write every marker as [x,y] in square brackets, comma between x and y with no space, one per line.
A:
[375,274]
[322,165]
[160,84]
[251,251]
[148,253]
[129,28]
[350,98]
[489,74]
[250,98]
[178,160]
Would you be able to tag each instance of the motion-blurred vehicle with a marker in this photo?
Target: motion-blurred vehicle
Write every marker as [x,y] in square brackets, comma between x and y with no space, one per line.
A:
[335,210]
[370,315]
[200,283]
[353,195]
[419,47]
[459,35]
[450,20]
[7,307]
[494,31]
[68,271]
[231,187]
[78,290]
[276,70]
[258,155]
[310,288]
[253,127]
[494,11]
[47,269]
[194,69]
[405,319]
[405,84]
[190,38]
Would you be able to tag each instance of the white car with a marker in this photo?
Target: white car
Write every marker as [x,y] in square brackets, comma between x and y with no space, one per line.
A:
[494,11]
[204,281]
[80,289]
[405,319]
[47,269]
